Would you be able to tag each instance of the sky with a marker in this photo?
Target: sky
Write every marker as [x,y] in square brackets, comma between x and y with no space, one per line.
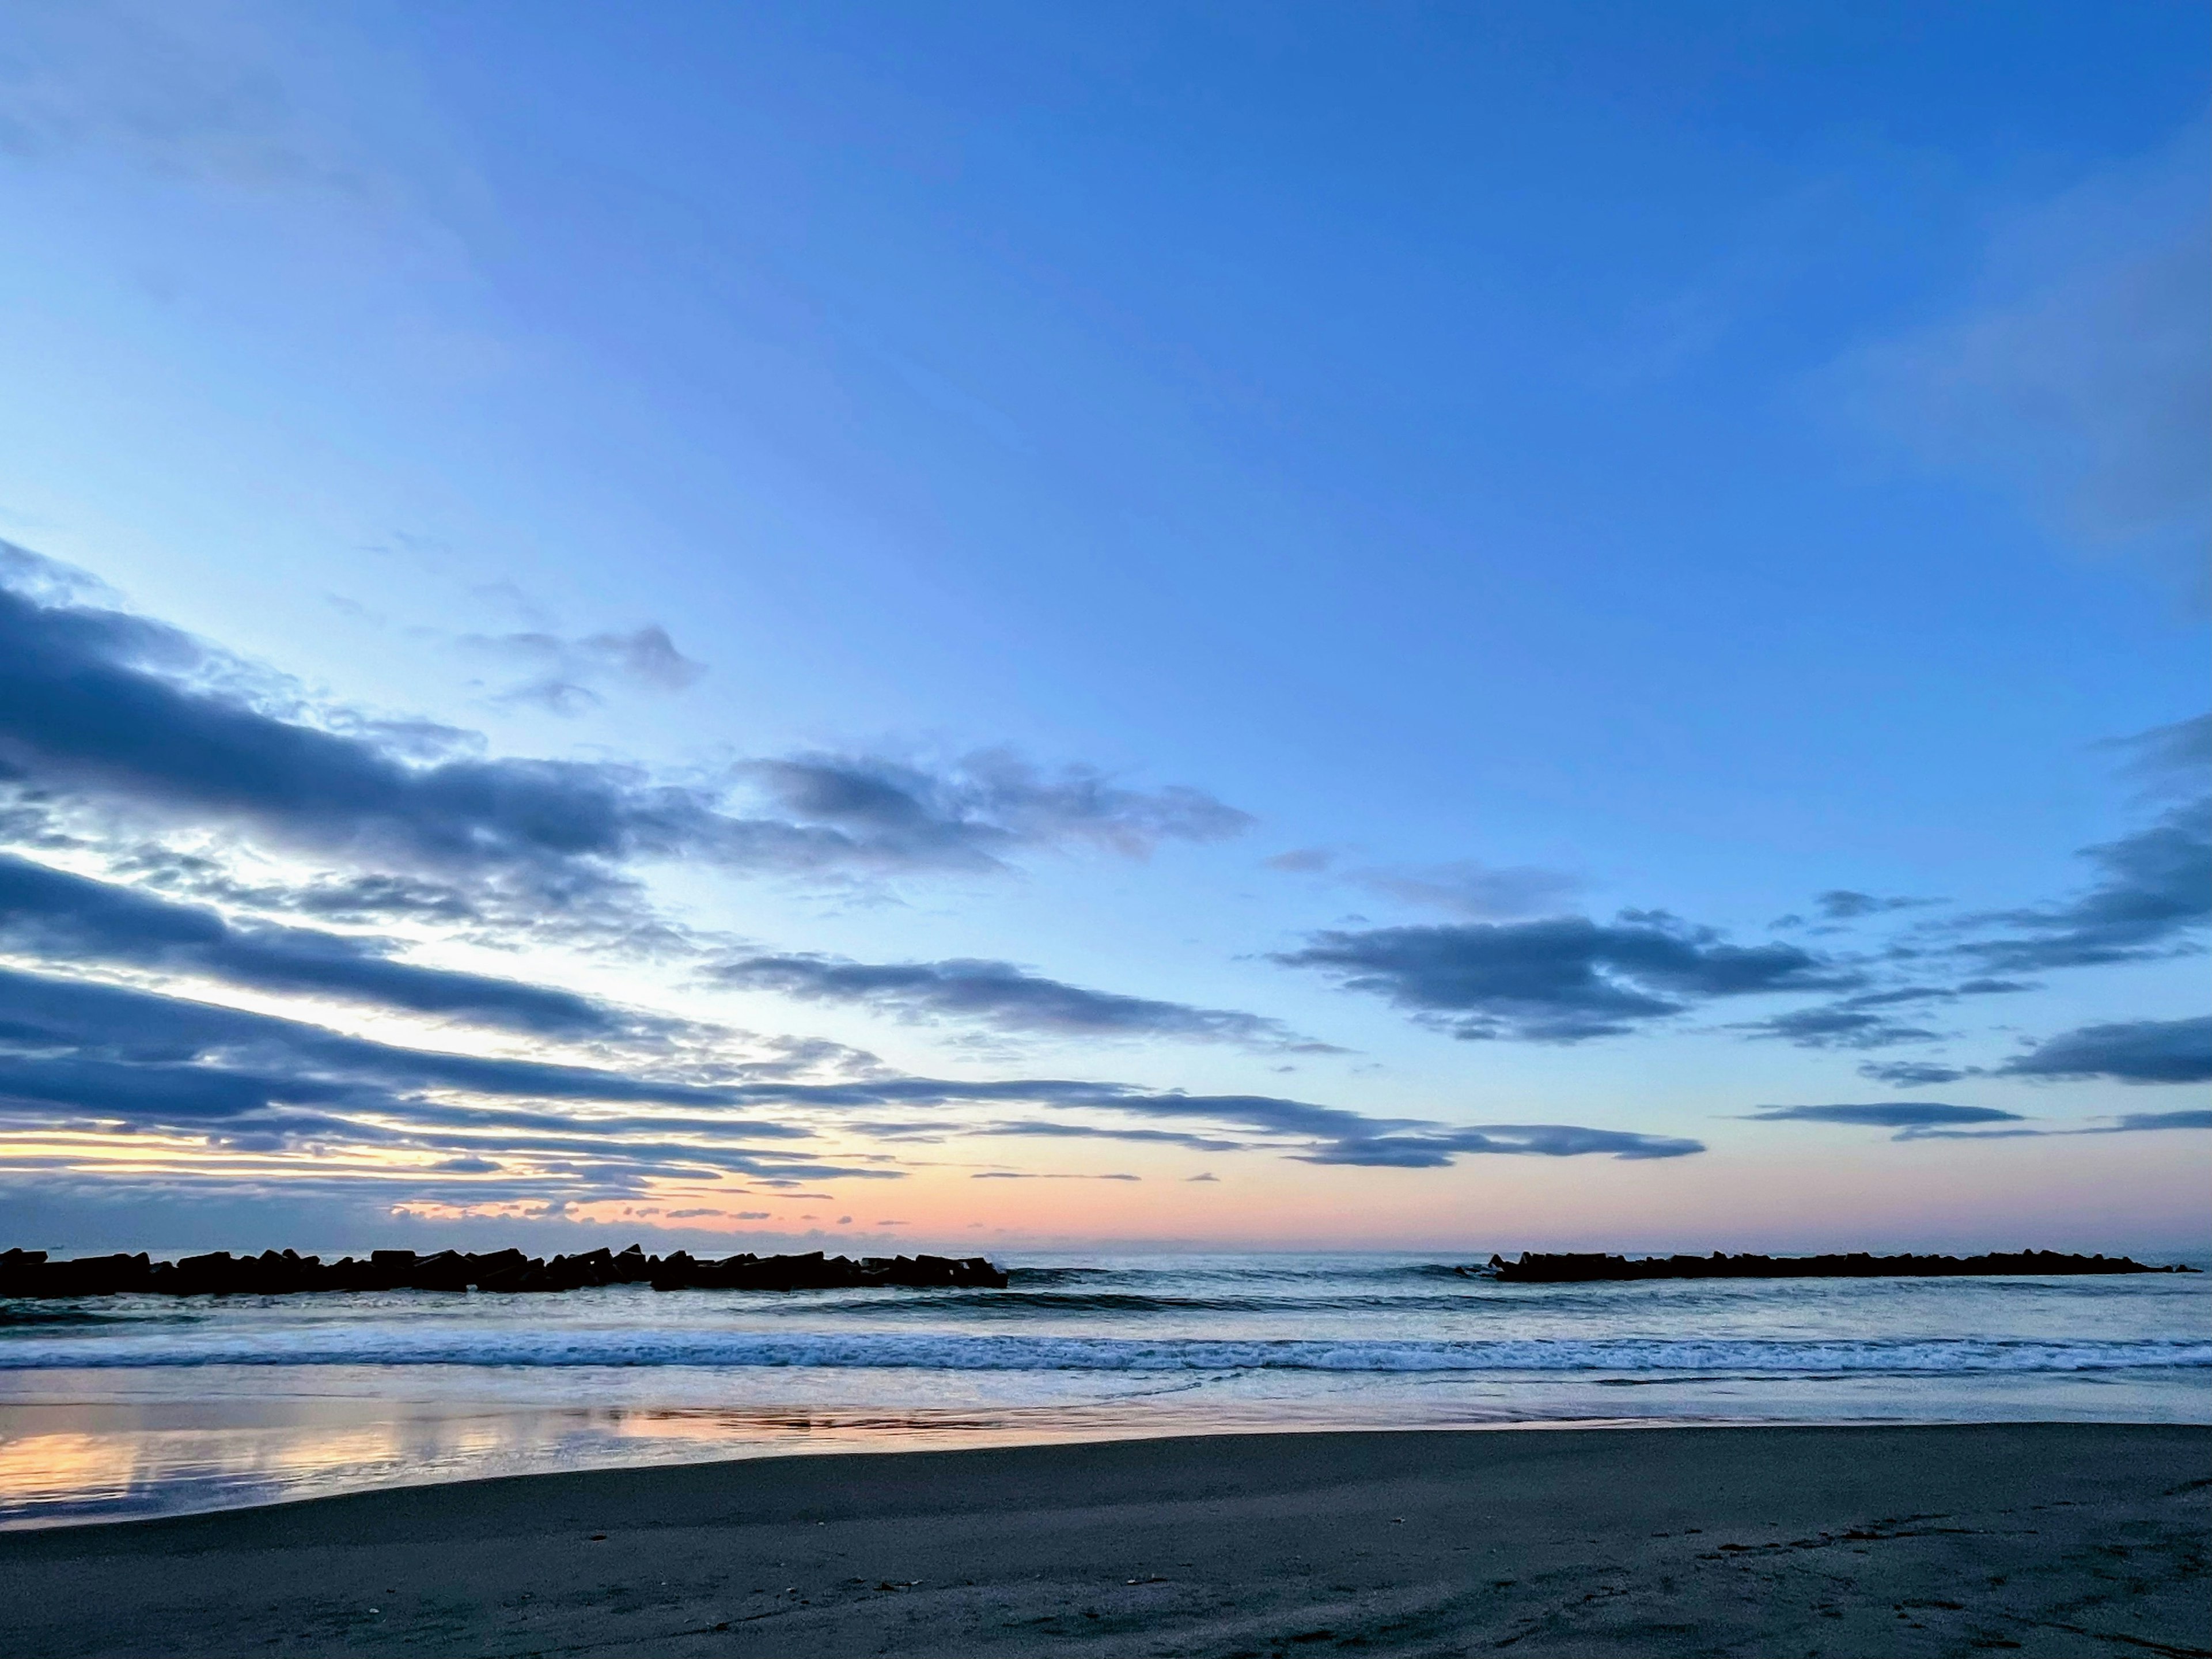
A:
[1006,627]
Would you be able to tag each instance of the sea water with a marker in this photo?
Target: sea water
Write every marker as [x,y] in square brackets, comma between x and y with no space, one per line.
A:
[130,1406]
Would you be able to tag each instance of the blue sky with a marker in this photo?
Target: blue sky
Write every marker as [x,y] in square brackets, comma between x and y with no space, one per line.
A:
[1108,575]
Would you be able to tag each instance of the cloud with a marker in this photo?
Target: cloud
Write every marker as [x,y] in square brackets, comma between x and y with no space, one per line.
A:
[1033,1175]
[107,1059]
[1003,997]
[2165,755]
[1838,1025]
[89,1058]
[1086,1132]
[1563,979]
[1459,887]
[1864,1021]
[1433,1150]
[126,721]
[202,100]
[1914,1073]
[1927,1120]
[43,1016]
[95,702]
[2187,1118]
[2155,891]
[52,914]
[564,673]
[2081,379]
[2131,1051]
[1906,1114]
[1841,904]
[989,801]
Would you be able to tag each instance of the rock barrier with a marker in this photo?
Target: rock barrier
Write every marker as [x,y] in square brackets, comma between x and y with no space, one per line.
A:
[1577,1269]
[284,1273]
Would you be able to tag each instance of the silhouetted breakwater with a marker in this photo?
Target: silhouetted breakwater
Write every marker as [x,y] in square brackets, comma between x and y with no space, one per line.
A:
[1573,1269]
[282,1273]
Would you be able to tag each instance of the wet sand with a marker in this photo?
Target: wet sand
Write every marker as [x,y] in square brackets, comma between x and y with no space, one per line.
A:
[2036,1539]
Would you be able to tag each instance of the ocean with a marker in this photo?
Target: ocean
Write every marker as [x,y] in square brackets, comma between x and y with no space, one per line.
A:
[125,1406]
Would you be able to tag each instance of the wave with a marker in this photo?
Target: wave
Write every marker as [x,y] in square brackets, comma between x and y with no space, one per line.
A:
[21,1314]
[386,1345]
[1025,1303]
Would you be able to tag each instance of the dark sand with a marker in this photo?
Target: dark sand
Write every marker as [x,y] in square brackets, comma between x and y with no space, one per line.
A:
[2040,1539]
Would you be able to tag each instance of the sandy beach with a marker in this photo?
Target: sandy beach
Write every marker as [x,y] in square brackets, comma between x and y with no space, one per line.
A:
[2039,1539]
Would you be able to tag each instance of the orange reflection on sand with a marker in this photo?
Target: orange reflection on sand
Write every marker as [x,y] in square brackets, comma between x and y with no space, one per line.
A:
[44,1468]
[82,1470]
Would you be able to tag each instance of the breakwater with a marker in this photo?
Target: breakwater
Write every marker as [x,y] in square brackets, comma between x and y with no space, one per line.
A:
[284,1273]
[1570,1269]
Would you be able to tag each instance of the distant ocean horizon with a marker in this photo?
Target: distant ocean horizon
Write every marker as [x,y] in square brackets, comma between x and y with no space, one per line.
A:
[133,1406]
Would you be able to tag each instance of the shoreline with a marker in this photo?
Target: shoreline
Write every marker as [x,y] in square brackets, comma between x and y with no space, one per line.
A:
[2061,1538]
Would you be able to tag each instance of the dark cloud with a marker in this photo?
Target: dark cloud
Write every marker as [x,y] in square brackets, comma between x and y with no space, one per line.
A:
[1557,980]
[2187,1118]
[1432,1150]
[2131,1051]
[42,1014]
[1087,1132]
[1003,997]
[1886,1114]
[988,803]
[100,1057]
[1869,1020]
[52,914]
[1927,1119]
[2154,892]
[97,702]
[564,674]
[1838,1025]
[1841,904]
[1914,1073]
[1030,1174]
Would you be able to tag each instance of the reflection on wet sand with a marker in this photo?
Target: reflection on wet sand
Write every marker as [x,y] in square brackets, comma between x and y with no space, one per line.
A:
[61,1462]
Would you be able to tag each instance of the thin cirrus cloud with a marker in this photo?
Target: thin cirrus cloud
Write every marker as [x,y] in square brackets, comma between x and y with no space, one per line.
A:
[1035,1175]
[1928,1120]
[2165,756]
[1459,887]
[2082,378]
[1874,1019]
[1436,1149]
[1003,998]
[566,676]
[1092,1132]
[1906,1114]
[95,701]
[1563,979]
